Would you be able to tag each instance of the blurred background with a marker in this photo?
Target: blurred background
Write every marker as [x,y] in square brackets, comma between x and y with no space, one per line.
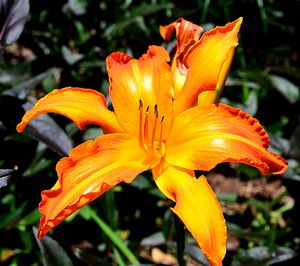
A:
[62,43]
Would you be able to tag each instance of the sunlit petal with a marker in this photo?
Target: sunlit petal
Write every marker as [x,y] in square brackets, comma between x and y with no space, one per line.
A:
[197,207]
[207,62]
[134,82]
[83,106]
[208,97]
[204,137]
[90,170]
[187,34]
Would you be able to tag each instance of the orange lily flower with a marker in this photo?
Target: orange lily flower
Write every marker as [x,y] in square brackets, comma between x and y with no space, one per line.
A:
[156,124]
[188,54]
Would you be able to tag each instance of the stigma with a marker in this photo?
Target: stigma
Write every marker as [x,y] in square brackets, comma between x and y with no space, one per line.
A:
[151,126]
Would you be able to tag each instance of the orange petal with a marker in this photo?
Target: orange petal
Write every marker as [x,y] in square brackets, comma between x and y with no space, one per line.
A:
[90,170]
[207,62]
[83,106]
[203,137]
[134,82]
[197,207]
[187,34]
[208,97]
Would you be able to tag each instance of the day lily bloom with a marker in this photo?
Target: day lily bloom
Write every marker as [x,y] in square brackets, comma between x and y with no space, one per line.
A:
[156,124]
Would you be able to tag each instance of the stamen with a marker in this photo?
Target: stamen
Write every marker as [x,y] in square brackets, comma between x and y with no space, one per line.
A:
[146,124]
[141,104]
[161,132]
[156,110]
[141,133]
[151,141]
[154,127]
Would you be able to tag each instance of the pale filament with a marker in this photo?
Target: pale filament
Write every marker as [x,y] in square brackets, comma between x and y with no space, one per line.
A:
[154,127]
[150,145]
[161,132]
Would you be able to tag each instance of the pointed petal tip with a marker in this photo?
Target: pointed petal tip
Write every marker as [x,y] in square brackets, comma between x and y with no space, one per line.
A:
[280,167]
[197,207]
[223,134]
[91,169]
[21,127]
[83,106]
[43,228]
[234,25]
[47,224]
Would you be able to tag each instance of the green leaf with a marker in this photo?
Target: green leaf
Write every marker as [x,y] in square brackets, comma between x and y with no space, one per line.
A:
[23,89]
[251,103]
[90,259]
[30,219]
[46,130]
[83,34]
[39,166]
[3,181]
[293,171]
[53,254]
[13,15]
[38,163]
[227,197]
[10,75]
[4,176]
[70,57]
[197,254]
[112,235]
[92,133]
[263,256]
[156,239]
[288,89]
[141,182]
[110,209]
[294,151]
[78,7]
[8,220]
[136,17]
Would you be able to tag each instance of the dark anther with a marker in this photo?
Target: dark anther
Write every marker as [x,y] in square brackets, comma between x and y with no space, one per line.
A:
[156,110]
[141,104]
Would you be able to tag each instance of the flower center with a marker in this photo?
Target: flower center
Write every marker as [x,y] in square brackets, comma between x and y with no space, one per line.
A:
[151,127]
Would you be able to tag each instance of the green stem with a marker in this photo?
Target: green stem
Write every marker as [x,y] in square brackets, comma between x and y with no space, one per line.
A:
[180,240]
[118,256]
[113,237]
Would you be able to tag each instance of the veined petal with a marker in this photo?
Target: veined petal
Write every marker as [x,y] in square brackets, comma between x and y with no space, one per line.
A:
[198,208]
[140,83]
[90,170]
[203,137]
[187,34]
[83,106]
[207,62]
